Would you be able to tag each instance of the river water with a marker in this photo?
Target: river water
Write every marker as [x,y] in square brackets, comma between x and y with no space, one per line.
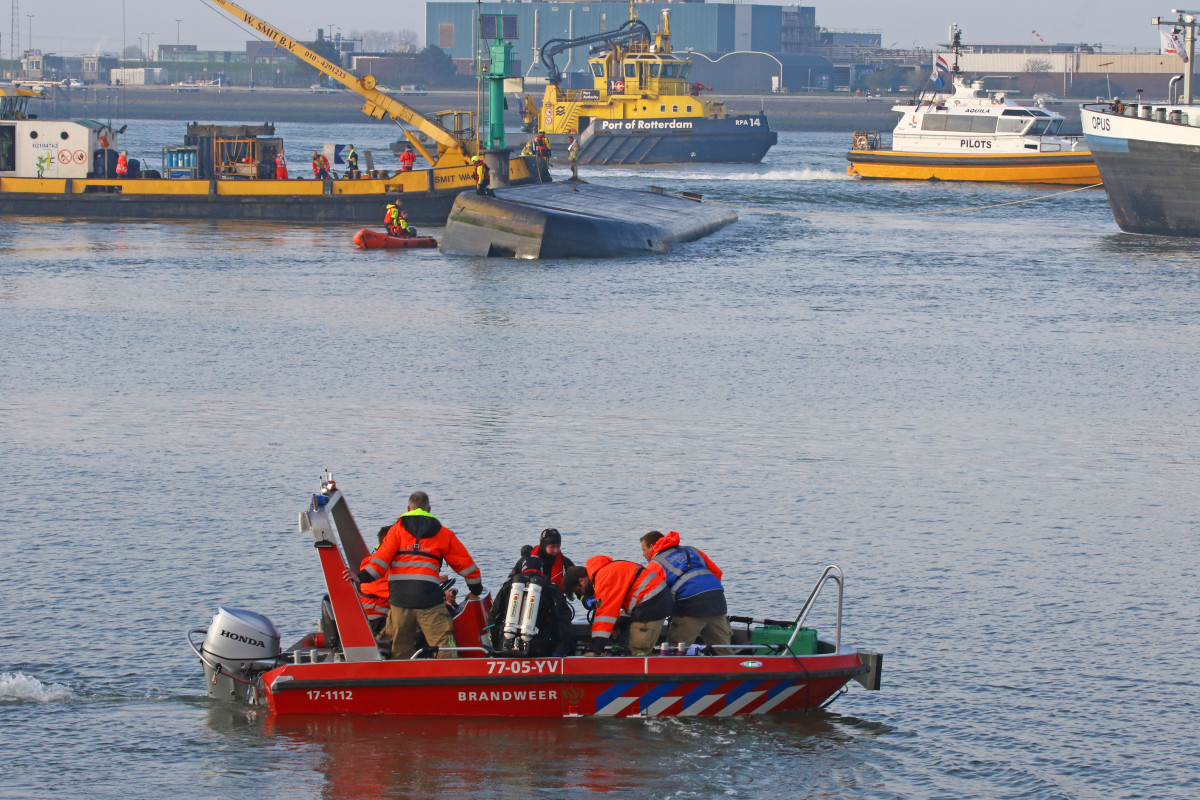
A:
[986,417]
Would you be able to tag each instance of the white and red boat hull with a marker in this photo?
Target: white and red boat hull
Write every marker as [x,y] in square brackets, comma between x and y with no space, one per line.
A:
[653,686]
[343,671]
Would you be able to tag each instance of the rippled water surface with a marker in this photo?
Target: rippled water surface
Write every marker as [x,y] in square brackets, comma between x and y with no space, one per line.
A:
[988,418]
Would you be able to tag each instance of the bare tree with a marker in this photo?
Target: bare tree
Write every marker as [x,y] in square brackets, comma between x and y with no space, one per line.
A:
[1037,66]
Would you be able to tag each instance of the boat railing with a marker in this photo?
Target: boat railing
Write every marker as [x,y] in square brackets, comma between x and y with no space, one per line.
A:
[1167,114]
[866,140]
[831,573]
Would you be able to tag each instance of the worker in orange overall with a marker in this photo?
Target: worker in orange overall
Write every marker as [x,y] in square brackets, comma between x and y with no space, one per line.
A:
[411,557]
[373,595]
[407,158]
[122,165]
[280,166]
[612,588]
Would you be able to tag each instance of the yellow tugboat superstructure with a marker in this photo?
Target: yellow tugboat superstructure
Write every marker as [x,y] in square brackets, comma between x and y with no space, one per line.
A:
[641,108]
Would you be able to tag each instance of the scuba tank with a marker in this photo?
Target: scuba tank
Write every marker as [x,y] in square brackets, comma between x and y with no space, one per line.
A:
[512,616]
[528,625]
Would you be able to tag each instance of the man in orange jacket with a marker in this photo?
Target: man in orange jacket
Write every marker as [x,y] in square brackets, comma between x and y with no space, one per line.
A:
[695,582]
[615,587]
[411,557]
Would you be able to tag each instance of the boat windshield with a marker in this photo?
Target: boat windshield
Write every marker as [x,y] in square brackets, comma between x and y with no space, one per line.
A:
[598,69]
[1039,127]
[1055,126]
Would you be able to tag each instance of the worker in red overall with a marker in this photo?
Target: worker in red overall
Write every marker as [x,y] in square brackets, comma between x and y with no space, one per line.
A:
[407,158]
[612,588]
[320,165]
[122,165]
[280,166]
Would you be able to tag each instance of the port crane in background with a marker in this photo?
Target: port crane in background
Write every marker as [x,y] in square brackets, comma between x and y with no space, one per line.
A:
[455,144]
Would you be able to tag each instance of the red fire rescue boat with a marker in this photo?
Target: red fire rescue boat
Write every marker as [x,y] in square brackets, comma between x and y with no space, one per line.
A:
[769,667]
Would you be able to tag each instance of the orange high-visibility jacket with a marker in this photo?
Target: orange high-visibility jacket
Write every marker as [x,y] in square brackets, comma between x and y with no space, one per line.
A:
[373,594]
[411,557]
[619,586]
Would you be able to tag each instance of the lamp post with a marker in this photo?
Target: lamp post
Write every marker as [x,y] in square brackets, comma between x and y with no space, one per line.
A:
[148,35]
[30,17]
[140,35]
[177,30]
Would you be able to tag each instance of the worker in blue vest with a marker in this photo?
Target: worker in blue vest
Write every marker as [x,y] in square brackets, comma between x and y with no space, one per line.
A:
[695,582]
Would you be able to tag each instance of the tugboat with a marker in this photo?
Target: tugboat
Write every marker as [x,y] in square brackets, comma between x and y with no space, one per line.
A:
[771,666]
[641,109]
[969,134]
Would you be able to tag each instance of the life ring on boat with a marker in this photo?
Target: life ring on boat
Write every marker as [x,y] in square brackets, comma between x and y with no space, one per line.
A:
[860,141]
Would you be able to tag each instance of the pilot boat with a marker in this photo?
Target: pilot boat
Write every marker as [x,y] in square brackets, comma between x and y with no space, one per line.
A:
[771,666]
[970,134]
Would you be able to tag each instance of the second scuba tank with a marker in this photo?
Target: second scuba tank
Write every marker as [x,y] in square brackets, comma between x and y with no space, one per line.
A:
[528,626]
[512,616]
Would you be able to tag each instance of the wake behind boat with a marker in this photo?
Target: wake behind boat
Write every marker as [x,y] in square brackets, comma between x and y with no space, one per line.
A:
[770,667]
[969,134]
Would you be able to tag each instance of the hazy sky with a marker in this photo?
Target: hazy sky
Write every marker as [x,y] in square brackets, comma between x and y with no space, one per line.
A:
[72,27]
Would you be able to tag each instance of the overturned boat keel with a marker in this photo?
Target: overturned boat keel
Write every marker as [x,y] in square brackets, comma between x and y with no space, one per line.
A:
[571,219]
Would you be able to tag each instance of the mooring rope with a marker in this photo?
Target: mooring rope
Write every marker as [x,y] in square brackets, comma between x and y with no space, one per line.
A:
[900,214]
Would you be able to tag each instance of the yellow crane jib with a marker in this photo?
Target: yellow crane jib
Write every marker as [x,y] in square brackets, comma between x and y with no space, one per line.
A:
[452,149]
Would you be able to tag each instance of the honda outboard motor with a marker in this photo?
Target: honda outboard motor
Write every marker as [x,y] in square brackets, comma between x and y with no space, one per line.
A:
[235,640]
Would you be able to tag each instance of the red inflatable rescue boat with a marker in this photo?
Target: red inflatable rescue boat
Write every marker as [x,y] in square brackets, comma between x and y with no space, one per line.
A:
[374,240]
[771,666]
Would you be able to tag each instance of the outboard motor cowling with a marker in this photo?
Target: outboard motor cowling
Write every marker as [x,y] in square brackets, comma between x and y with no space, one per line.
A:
[235,640]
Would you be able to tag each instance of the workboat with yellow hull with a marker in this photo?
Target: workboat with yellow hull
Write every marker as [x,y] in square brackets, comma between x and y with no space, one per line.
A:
[771,666]
[970,134]
[72,168]
[641,108]
[67,169]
